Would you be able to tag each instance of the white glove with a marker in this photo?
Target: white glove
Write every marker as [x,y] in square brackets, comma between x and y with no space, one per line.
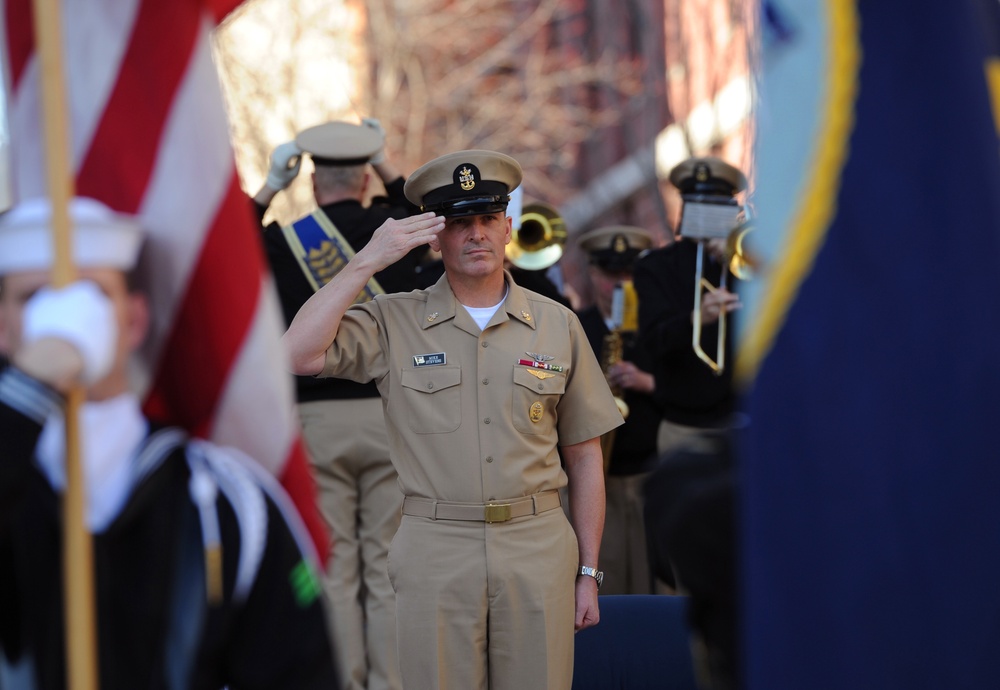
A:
[378,156]
[81,315]
[286,159]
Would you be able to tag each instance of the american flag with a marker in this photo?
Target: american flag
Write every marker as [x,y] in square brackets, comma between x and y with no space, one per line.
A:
[149,136]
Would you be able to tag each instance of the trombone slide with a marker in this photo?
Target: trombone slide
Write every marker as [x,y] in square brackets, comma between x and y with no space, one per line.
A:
[717,366]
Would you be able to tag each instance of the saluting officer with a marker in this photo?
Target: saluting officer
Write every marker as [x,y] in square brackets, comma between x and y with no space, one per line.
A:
[342,420]
[484,386]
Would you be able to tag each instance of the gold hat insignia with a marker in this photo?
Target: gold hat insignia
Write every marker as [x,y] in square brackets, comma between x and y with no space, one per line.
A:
[466,180]
[621,246]
[535,412]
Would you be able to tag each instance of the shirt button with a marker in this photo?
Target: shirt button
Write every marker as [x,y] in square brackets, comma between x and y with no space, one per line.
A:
[485,344]
[430,385]
[489,458]
[486,382]
[541,387]
[487,420]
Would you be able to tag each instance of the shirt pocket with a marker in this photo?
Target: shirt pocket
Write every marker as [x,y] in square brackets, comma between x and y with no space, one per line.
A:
[535,399]
[433,399]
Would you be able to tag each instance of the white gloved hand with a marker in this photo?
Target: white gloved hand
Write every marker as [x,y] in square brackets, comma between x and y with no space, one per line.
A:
[79,314]
[286,160]
[373,123]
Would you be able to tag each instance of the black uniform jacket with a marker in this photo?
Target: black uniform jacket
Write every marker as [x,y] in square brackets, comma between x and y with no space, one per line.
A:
[687,389]
[357,224]
[154,627]
[634,448]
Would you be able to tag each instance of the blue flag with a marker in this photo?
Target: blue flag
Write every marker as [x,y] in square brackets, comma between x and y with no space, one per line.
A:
[870,350]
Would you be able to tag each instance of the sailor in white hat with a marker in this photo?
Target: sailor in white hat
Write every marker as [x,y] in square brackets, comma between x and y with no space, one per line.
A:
[162,509]
[489,391]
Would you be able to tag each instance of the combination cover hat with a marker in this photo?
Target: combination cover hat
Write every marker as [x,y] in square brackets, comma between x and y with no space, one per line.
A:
[616,247]
[707,175]
[464,183]
[101,238]
[340,143]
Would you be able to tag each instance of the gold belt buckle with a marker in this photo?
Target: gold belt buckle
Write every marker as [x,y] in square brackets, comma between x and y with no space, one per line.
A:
[496,512]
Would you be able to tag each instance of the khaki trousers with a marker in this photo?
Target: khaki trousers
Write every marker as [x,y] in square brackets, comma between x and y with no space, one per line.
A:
[624,555]
[485,605]
[360,501]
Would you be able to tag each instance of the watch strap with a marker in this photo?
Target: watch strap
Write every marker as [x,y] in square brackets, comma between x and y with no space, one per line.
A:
[592,572]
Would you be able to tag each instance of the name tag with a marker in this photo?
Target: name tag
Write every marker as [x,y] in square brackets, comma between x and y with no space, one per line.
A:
[430,360]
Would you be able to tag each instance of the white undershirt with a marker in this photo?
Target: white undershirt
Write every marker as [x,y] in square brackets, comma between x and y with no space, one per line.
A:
[482,315]
[110,433]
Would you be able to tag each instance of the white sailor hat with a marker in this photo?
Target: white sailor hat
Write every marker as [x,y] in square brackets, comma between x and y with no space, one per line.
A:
[340,143]
[101,237]
[464,183]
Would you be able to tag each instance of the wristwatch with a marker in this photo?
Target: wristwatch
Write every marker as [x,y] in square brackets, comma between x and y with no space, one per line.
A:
[594,573]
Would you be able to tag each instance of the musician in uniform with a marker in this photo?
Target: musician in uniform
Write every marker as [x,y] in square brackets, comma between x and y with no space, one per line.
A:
[484,385]
[697,403]
[200,576]
[630,450]
[342,420]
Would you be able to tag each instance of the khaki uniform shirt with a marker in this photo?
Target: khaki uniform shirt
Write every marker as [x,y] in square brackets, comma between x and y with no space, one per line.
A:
[466,422]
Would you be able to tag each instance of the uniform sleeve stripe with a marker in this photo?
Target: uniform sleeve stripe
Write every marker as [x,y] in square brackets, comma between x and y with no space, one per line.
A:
[28,396]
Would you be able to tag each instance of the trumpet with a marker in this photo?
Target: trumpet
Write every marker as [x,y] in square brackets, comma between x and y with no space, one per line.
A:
[538,242]
[741,265]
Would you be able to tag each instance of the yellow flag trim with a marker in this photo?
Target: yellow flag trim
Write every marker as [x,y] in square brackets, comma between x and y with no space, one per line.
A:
[818,204]
[993,83]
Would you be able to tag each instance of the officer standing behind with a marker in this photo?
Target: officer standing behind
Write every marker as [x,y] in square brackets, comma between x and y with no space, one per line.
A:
[611,252]
[697,403]
[342,420]
[484,386]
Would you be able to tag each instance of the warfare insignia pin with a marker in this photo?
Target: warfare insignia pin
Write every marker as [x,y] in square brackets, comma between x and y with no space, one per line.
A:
[541,375]
[540,358]
[535,412]
[466,180]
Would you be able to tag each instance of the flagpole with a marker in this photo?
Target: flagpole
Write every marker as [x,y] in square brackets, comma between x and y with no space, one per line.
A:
[78,558]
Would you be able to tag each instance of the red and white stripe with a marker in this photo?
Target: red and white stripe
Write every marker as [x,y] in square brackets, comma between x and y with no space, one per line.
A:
[149,136]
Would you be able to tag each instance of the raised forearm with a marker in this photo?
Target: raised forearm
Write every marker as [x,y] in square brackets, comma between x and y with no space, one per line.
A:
[316,324]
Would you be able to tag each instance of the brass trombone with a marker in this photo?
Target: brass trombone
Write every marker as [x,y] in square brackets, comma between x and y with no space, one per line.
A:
[740,265]
[539,242]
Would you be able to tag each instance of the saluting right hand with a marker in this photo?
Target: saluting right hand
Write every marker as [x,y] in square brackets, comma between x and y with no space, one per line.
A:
[373,123]
[395,238]
[286,160]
